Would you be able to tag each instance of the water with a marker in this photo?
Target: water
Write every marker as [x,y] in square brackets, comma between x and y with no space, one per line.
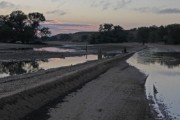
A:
[22,67]
[54,49]
[163,82]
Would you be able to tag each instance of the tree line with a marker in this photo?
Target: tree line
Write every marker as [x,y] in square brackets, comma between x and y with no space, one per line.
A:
[19,27]
[108,33]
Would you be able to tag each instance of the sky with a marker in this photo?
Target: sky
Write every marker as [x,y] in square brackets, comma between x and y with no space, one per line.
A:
[69,16]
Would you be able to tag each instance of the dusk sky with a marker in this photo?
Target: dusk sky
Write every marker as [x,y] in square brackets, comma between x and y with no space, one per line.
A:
[68,16]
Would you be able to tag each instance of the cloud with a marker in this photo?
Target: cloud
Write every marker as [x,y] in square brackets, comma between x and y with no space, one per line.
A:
[5,5]
[58,12]
[169,11]
[57,27]
[106,4]
[60,2]
[146,9]
[49,22]
[121,4]
[158,10]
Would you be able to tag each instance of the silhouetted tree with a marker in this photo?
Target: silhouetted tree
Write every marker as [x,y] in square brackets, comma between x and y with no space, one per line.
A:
[173,32]
[167,34]
[118,28]
[65,37]
[108,33]
[105,27]
[22,27]
[100,28]
[84,37]
[143,34]
[44,32]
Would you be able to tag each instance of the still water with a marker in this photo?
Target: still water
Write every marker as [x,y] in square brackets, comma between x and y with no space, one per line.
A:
[163,83]
[54,49]
[22,67]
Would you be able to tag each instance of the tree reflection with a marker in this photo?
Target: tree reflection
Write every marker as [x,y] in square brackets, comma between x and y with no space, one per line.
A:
[168,59]
[14,68]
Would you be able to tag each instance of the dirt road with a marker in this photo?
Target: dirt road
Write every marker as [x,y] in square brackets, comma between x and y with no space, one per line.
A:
[116,95]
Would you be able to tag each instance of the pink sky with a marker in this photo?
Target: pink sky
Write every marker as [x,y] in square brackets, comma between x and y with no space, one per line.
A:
[57,27]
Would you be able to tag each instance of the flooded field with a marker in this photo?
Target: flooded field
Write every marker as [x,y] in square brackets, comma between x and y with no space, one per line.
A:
[162,86]
[21,67]
[10,66]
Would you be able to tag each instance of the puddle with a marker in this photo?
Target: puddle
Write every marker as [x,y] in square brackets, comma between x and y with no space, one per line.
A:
[54,49]
[22,67]
[162,85]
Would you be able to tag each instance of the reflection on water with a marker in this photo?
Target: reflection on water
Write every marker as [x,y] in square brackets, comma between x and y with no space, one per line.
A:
[162,85]
[14,68]
[54,49]
[60,62]
[170,60]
